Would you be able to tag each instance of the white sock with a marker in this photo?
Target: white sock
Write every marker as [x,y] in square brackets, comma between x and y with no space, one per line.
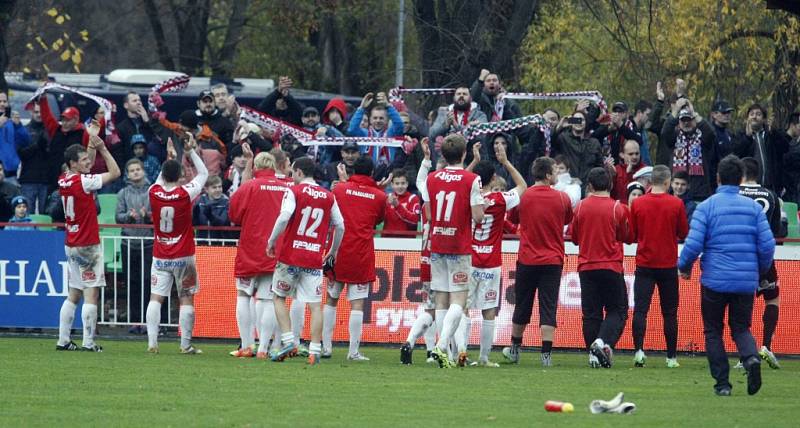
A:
[430,337]
[266,323]
[461,335]
[356,322]
[599,342]
[89,318]
[244,320]
[287,338]
[276,336]
[439,316]
[153,319]
[328,324]
[419,327]
[314,348]
[186,322]
[65,319]
[254,316]
[450,325]
[487,338]
[297,313]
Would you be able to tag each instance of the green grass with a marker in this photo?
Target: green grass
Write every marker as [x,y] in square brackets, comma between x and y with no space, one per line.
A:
[124,386]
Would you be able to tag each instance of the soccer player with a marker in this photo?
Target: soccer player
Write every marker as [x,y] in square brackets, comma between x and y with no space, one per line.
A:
[543,213]
[307,212]
[487,258]
[255,206]
[82,244]
[363,206]
[173,247]
[402,212]
[768,283]
[599,228]
[424,321]
[658,220]
[456,201]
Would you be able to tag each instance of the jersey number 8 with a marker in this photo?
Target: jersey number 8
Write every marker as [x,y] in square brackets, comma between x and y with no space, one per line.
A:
[165,223]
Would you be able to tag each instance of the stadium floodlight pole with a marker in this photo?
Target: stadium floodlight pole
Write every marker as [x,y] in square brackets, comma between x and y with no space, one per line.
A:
[398,70]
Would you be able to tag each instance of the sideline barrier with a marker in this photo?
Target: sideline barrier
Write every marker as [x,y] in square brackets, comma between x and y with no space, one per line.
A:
[33,277]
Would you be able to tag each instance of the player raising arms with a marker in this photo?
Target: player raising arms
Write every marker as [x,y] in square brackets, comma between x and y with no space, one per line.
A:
[363,206]
[456,201]
[255,206]
[173,246]
[487,240]
[82,244]
[307,212]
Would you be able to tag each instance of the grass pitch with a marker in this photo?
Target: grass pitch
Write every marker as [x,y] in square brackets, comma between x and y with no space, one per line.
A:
[124,386]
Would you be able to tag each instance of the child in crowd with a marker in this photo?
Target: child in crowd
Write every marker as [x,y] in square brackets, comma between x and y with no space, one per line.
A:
[233,175]
[212,210]
[680,188]
[403,207]
[149,162]
[20,206]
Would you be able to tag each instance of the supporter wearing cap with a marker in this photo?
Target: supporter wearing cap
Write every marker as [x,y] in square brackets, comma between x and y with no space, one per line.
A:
[634,190]
[208,114]
[613,135]
[62,135]
[20,206]
[691,140]
[311,123]
[350,151]
[720,120]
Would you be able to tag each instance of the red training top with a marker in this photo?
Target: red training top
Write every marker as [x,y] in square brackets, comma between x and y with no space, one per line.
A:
[659,222]
[404,216]
[543,213]
[599,228]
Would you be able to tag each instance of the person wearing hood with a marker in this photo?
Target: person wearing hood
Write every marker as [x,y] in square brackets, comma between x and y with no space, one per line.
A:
[510,146]
[311,123]
[334,115]
[133,207]
[208,114]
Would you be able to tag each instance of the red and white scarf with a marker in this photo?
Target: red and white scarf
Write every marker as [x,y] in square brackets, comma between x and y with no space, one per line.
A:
[106,104]
[688,153]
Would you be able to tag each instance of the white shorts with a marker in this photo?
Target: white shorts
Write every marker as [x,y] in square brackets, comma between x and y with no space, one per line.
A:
[296,282]
[259,286]
[427,296]
[86,267]
[182,271]
[354,291]
[484,288]
[450,272]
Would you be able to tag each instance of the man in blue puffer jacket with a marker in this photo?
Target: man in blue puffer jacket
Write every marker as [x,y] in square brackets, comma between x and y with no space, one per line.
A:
[733,234]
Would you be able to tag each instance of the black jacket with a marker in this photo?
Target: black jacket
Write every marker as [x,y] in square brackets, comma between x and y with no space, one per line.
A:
[129,127]
[293,114]
[221,125]
[700,186]
[611,142]
[583,153]
[769,154]
[35,162]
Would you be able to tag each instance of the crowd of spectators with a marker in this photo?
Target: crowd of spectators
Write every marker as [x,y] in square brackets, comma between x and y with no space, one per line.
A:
[667,129]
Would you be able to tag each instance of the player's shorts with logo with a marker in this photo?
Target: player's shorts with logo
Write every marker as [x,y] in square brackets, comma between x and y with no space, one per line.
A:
[259,286]
[181,271]
[301,283]
[484,288]
[86,267]
[450,272]
[354,291]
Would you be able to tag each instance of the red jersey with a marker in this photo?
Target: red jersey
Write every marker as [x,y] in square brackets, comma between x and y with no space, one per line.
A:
[312,210]
[172,218]
[453,192]
[80,213]
[599,228]
[255,206]
[658,221]
[543,214]
[405,216]
[487,238]
[621,181]
[363,206]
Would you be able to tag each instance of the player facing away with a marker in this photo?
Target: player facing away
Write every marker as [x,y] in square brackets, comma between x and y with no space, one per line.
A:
[768,283]
[543,213]
[456,201]
[173,245]
[599,228]
[255,206]
[658,220]
[423,323]
[307,212]
[86,271]
[487,258]
[363,206]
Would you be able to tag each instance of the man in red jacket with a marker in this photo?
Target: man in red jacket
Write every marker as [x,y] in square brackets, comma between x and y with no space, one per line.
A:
[363,206]
[658,220]
[255,206]
[623,173]
[599,228]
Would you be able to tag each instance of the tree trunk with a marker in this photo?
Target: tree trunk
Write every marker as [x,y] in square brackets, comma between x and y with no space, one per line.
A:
[787,61]
[223,64]
[191,19]
[164,55]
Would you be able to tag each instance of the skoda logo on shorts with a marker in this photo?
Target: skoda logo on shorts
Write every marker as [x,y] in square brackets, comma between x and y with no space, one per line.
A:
[460,278]
[283,286]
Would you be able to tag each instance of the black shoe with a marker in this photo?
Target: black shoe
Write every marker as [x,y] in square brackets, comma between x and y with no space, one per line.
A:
[405,354]
[71,346]
[753,367]
[723,392]
[93,348]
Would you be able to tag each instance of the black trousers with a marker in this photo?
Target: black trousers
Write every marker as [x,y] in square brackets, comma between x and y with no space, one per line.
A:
[740,314]
[643,286]
[603,290]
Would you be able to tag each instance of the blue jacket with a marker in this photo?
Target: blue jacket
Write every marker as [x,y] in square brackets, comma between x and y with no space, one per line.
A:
[732,233]
[395,129]
[11,137]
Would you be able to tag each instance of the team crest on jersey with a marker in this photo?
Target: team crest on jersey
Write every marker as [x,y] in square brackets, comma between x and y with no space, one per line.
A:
[88,276]
[284,286]
[460,278]
[490,295]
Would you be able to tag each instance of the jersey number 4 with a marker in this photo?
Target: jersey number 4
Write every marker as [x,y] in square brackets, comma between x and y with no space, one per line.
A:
[316,215]
[69,207]
[445,202]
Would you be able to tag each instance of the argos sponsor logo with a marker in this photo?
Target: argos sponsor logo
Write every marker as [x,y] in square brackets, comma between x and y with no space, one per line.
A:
[314,193]
[448,177]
